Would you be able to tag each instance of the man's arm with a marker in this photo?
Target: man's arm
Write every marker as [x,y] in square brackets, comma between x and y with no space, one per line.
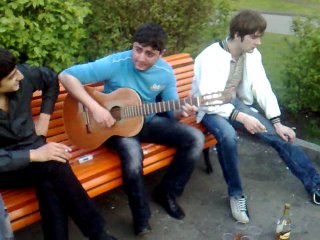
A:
[252,124]
[45,80]
[11,160]
[261,87]
[101,115]
[42,124]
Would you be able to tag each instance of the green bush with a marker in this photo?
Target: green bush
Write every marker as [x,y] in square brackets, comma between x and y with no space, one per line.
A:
[42,32]
[113,22]
[60,33]
[302,74]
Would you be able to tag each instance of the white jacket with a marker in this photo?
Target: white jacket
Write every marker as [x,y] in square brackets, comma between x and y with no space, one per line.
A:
[211,71]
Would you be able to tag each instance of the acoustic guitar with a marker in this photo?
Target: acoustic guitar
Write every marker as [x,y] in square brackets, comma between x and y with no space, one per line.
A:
[126,107]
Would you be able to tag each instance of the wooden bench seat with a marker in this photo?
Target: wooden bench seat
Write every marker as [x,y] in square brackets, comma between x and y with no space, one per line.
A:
[103,172]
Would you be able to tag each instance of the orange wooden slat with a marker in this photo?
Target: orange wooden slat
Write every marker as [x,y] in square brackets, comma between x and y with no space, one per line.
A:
[157,165]
[184,82]
[28,208]
[26,221]
[188,68]
[105,187]
[181,62]
[184,94]
[57,138]
[56,114]
[56,122]
[176,56]
[184,88]
[55,131]
[184,75]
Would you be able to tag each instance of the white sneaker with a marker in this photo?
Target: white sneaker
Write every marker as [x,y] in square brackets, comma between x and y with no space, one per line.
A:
[239,209]
[316,197]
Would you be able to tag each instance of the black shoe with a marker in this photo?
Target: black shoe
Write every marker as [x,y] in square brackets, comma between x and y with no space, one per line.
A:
[168,203]
[142,229]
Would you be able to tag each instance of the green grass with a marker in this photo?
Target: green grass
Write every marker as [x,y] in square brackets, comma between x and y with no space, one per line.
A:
[304,7]
[274,50]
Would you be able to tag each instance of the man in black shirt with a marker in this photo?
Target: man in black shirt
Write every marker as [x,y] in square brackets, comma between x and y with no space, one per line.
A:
[27,160]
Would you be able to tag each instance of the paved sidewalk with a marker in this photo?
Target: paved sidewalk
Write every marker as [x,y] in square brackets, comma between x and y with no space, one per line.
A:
[267,183]
[279,23]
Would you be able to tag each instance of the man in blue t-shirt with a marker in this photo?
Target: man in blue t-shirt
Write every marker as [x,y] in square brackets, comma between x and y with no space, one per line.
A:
[143,70]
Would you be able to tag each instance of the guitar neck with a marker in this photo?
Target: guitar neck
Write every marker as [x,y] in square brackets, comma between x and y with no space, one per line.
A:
[158,107]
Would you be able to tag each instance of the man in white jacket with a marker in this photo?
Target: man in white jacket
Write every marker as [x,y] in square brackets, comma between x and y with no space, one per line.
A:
[234,66]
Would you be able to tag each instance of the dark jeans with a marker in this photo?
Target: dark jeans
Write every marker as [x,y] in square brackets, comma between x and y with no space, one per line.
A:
[60,194]
[187,140]
[292,155]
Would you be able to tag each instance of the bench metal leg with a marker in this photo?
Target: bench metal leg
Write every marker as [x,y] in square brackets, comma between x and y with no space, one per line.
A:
[206,156]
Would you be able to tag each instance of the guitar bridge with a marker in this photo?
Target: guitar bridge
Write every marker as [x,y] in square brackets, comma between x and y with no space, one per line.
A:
[86,118]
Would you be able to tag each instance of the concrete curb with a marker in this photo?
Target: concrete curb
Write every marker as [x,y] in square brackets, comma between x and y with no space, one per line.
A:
[282,13]
[309,145]
[312,149]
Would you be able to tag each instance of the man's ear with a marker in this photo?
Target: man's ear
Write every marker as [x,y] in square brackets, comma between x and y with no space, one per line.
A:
[162,53]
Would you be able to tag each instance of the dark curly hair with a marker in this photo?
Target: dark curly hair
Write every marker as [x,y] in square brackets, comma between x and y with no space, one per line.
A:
[151,34]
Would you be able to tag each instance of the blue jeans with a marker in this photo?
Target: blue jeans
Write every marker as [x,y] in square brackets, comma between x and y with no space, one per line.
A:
[5,226]
[292,155]
[189,144]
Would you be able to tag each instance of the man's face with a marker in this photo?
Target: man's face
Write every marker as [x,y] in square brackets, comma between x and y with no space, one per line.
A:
[144,57]
[10,83]
[250,42]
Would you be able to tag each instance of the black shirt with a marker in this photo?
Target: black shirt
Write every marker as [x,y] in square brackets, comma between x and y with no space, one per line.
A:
[17,130]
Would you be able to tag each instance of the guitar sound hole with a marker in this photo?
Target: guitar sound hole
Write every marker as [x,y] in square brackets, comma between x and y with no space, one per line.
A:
[116,113]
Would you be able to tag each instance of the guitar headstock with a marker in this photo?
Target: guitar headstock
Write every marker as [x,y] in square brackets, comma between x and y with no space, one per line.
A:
[215,98]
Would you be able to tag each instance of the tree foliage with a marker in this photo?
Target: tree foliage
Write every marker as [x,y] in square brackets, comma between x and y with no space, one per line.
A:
[302,74]
[113,22]
[60,33]
[42,32]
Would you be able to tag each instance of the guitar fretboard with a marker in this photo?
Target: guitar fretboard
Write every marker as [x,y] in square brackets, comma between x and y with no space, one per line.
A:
[158,107]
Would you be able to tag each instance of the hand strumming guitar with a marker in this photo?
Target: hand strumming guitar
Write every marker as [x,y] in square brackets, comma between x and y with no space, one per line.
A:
[102,116]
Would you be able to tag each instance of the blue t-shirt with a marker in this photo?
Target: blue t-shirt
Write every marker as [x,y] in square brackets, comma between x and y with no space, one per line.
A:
[118,71]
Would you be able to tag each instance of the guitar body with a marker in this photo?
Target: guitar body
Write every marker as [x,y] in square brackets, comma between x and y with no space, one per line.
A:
[85,133]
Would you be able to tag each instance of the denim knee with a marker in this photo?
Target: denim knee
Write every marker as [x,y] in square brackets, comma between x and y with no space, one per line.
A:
[197,138]
[132,162]
[229,138]
[194,142]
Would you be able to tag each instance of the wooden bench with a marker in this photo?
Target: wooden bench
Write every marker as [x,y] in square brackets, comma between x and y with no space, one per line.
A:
[103,172]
